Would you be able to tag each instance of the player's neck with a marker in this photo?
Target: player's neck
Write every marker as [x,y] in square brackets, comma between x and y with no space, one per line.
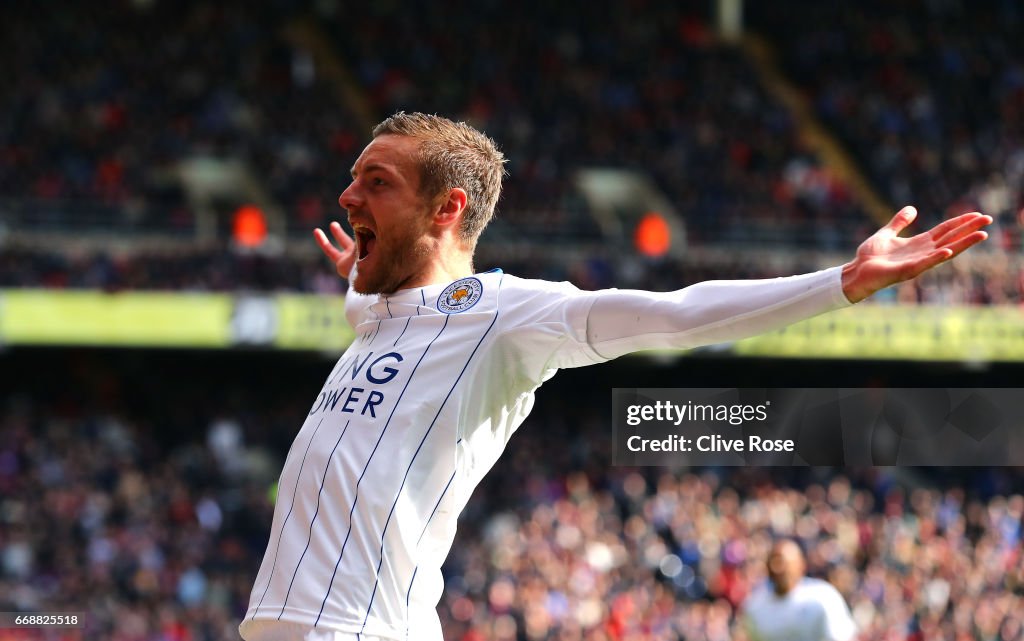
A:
[783,591]
[446,266]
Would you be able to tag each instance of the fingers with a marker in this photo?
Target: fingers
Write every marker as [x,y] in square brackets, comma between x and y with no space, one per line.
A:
[947,225]
[330,250]
[966,242]
[325,245]
[931,260]
[942,254]
[901,220]
[339,234]
[962,226]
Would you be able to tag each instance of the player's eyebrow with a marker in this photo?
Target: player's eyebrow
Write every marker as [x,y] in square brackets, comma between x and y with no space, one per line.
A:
[372,167]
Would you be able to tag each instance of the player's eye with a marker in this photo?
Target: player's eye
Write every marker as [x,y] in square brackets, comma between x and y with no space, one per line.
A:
[378,182]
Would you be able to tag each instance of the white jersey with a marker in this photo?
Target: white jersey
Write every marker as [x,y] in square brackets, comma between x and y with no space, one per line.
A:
[812,611]
[424,401]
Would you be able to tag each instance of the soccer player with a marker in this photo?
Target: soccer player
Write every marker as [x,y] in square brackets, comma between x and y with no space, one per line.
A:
[444,368]
[793,607]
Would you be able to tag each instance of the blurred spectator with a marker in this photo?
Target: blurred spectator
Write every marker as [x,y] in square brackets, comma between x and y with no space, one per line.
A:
[149,535]
[929,95]
[99,123]
[634,85]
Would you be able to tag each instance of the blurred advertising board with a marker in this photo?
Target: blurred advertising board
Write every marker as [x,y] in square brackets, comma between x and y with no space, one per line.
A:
[173,319]
[980,334]
[317,323]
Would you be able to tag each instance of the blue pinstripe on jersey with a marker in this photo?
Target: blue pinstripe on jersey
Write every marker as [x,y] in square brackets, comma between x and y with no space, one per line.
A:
[345,366]
[341,554]
[416,569]
[422,297]
[395,344]
[426,526]
[413,460]
[313,520]
[348,362]
[326,468]
[387,304]
[284,524]
[377,331]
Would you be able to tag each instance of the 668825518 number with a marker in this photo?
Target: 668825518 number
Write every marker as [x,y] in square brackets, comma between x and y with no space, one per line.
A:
[41,619]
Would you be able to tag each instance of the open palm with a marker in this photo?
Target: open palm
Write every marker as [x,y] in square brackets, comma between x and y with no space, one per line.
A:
[885,258]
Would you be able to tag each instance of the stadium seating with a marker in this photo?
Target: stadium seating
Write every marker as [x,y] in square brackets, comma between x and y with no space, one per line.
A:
[156,507]
[928,95]
[92,131]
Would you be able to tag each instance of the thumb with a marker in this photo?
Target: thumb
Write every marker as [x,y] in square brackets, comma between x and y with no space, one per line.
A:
[901,220]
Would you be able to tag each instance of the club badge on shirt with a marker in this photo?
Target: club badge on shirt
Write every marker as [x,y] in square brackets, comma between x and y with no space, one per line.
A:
[460,295]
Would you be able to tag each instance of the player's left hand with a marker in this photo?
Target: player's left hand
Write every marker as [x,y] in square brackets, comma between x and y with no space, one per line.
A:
[885,259]
[343,258]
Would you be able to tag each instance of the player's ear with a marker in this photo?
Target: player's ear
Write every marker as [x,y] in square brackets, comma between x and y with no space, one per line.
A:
[451,207]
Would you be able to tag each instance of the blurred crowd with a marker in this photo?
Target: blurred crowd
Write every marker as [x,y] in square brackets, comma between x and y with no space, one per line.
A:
[671,556]
[988,278]
[929,94]
[104,101]
[636,85]
[153,523]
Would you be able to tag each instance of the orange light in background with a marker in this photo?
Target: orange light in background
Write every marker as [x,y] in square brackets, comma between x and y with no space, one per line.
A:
[652,237]
[250,226]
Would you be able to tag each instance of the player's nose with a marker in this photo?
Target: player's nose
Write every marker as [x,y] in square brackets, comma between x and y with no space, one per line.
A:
[350,198]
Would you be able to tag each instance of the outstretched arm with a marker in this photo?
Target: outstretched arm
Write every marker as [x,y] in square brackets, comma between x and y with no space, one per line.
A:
[886,259]
[619,322]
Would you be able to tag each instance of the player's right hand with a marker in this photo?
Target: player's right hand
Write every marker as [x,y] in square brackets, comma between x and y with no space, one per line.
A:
[343,258]
[886,259]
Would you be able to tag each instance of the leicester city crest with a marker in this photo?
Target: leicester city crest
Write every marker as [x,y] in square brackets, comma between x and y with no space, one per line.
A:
[460,295]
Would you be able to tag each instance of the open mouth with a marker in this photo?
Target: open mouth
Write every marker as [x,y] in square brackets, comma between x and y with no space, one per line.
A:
[365,242]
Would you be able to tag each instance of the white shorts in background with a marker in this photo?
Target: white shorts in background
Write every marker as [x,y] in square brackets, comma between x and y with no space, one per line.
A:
[264,630]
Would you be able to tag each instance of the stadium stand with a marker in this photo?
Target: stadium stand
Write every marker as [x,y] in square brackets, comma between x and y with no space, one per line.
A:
[99,122]
[137,486]
[929,95]
[93,130]
[96,129]
[600,87]
[155,511]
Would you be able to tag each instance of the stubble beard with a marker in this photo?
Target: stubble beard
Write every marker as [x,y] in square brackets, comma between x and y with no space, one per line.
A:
[395,267]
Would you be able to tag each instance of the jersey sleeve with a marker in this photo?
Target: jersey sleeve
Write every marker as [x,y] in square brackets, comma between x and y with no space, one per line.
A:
[838,621]
[556,325]
[543,326]
[620,322]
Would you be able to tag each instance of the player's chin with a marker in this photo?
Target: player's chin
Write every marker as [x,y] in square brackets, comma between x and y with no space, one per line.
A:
[362,281]
[366,286]
[370,281]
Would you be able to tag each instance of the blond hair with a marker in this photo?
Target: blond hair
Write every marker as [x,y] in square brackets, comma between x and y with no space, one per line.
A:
[453,154]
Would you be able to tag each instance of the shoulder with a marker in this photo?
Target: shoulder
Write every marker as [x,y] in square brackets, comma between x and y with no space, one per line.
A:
[497,290]
[534,286]
[534,300]
[837,620]
[758,598]
[817,588]
[822,593]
